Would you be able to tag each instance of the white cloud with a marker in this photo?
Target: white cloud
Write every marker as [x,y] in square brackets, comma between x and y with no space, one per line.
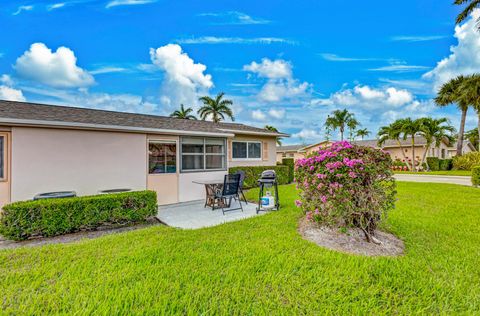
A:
[336,58]
[397,97]
[23,8]
[280,83]
[307,134]
[11,94]
[234,18]
[417,38]
[6,79]
[464,57]
[400,68]
[56,6]
[258,115]
[234,40]
[107,69]
[272,69]
[277,113]
[184,79]
[116,3]
[56,69]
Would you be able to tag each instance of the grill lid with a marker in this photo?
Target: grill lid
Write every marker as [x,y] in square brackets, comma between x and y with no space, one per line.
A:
[268,174]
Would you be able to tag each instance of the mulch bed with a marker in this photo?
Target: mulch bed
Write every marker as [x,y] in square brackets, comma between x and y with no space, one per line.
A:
[352,242]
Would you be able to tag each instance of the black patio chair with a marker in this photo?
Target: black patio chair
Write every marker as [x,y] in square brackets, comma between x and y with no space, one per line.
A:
[230,191]
[240,186]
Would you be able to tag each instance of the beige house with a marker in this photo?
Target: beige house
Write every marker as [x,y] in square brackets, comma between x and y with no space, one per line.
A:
[444,151]
[45,148]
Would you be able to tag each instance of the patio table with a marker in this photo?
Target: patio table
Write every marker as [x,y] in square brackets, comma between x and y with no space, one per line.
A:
[211,187]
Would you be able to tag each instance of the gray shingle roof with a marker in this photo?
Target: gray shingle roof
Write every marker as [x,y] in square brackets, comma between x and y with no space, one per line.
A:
[290,148]
[11,111]
[419,140]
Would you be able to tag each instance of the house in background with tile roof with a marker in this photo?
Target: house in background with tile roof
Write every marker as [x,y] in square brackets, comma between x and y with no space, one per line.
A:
[45,148]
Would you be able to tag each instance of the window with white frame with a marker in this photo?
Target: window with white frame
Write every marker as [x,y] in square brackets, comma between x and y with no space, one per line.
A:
[2,156]
[203,154]
[162,157]
[244,150]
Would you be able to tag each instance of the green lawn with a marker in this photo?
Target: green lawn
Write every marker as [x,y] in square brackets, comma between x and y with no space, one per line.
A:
[260,266]
[440,173]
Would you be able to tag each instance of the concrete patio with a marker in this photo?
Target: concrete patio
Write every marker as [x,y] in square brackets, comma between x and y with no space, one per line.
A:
[193,215]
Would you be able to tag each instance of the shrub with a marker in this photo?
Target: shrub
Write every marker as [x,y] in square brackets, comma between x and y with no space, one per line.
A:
[346,185]
[433,163]
[446,164]
[290,163]
[476,176]
[252,174]
[51,217]
[467,161]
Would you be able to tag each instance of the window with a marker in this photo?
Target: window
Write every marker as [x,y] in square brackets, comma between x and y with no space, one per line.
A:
[2,156]
[200,154]
[291,155]
[247,150]
[162,157]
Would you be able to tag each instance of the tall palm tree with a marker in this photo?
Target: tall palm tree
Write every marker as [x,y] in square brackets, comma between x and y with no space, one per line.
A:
[434,131]
[450,93]
[274,129]
[339,119]
[216,107]
[352,125]
[410,128]
[362,133]
[394,132]
[183,113]
[470,6]
[470,92]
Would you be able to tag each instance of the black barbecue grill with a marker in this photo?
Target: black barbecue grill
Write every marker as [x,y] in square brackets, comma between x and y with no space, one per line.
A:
[268,179]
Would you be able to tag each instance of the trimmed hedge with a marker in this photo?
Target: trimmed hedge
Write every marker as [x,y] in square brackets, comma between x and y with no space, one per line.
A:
[467,161]
[290,163]
[476,176]
[51,217]
[433,163]
[252,174]
[446,164]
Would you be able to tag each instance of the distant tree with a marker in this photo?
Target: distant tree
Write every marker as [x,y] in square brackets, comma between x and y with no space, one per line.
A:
[183,113]
[352,125]
[216,108]
[274,129]
[410,129]
[470,6]
[362,133]
[434,131]
[394,132]
[339,119]
[450,93]
[472,137]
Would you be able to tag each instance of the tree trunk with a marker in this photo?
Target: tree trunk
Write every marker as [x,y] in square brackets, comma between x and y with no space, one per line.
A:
[461,131]
[403,154]
[341,133]
[425,156]
[413,154]
[478,128]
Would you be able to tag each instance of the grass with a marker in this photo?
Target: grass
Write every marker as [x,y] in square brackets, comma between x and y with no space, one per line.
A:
[260,266]
[440,173]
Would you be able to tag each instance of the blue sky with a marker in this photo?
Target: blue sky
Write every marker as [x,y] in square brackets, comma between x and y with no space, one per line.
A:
[283,63]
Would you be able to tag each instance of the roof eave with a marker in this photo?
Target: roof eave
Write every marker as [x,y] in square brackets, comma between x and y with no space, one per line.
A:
[254,133]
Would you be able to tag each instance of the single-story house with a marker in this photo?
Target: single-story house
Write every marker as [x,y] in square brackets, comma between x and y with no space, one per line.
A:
[443,151]
[45,148]
[290,151]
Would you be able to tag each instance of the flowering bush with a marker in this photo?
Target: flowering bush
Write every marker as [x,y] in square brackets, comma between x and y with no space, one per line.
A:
[346,185]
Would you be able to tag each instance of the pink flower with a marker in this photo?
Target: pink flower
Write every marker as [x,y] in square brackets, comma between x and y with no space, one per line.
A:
[352,174]
[323,199]
[298,203]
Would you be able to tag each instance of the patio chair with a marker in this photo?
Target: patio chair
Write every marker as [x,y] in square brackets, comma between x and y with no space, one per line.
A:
[229,191]
[240,186]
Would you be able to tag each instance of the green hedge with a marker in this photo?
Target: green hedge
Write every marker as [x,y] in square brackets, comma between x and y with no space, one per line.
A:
[433,163]
[476,176]
[51,217]
[290,163]
[446,164]
[252,174]
[467,161]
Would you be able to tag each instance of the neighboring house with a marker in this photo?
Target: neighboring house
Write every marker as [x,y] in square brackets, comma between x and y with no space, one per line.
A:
[46,148]
[443,151]
[293,151]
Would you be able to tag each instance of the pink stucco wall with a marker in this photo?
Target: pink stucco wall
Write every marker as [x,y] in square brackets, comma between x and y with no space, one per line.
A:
[46,160]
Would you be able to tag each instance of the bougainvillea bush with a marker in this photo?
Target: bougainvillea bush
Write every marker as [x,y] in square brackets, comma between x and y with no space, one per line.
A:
[346,186]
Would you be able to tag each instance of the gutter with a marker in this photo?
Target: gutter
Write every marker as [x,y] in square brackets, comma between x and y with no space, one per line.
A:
[255,133]
[118,128]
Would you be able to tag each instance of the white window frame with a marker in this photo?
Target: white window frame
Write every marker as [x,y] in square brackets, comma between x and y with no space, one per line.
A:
[204,154]
[248,142]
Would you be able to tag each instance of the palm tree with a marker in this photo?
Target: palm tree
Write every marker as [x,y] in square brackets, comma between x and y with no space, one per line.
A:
[393,131]
[434,131]
[362,133]
[338,120]
[470,6]
[470,92]
[472,137]
[410,128]
[183,113]
[352,126]
[450,93]
[217,108]
[274,129]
